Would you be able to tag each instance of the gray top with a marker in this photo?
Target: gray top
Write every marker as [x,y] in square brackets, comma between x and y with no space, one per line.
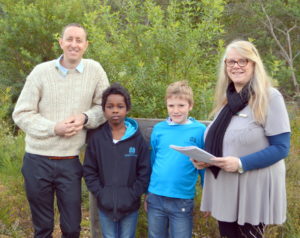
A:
[256,196]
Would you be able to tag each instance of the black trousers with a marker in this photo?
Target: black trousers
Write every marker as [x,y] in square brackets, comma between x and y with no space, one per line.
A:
[234,230]
[45,178]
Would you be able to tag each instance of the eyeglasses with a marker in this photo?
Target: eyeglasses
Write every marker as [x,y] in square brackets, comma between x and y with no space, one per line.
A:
[240,62]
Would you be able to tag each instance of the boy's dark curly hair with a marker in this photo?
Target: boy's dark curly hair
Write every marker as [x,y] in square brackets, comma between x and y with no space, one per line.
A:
[116,88]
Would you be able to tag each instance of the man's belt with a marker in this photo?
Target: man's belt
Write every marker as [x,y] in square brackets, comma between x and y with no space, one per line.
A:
[62,157]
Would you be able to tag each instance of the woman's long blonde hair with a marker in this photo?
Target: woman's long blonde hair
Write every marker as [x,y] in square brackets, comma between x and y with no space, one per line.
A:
[259,83]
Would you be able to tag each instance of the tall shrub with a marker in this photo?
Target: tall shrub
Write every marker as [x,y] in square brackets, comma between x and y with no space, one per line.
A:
[146,47]
[29,31]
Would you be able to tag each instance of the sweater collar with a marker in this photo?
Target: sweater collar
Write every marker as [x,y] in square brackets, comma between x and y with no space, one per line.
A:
[64,70]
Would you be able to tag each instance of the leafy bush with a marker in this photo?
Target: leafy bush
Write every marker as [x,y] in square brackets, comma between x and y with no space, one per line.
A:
[140,44]
[146,48]
[29,29]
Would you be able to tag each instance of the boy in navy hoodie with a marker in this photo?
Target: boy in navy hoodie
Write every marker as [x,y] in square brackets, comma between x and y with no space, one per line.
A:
[117,165]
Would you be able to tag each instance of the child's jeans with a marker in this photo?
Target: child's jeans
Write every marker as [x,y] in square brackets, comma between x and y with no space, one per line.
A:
[124,228]
[169,217]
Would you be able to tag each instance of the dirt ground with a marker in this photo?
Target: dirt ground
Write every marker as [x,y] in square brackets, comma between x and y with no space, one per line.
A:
[85,227]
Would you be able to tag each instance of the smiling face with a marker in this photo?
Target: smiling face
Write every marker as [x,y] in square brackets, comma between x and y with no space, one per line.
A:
[239,75]
[74,44]
[178,109]
[115,109]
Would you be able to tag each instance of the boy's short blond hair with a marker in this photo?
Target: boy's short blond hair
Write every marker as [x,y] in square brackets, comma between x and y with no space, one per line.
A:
[180,89]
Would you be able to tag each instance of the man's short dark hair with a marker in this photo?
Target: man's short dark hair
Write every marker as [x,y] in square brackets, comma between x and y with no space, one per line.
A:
[76,25]
[116,88]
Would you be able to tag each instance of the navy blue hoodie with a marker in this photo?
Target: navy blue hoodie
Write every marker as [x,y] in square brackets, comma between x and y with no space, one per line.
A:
[117,173]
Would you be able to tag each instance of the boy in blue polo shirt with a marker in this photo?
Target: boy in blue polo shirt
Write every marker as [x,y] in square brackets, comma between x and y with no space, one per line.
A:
[171,192]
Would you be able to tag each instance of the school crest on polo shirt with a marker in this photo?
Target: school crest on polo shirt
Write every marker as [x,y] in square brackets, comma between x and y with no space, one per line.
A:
[193,139]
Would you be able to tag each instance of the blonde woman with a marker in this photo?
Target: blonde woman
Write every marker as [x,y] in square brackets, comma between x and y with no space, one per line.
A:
[250,137]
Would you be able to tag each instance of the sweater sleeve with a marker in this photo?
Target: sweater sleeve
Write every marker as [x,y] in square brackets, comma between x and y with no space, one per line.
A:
[26,114]
[95,115]
[277,150]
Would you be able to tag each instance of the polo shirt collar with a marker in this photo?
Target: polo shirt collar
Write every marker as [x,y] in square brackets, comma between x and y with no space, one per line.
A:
[64,70]
[171,123]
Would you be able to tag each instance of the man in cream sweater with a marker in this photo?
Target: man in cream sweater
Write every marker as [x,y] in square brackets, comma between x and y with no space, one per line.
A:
[60,99]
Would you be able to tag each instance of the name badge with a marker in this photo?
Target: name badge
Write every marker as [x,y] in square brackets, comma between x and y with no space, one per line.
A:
[242,115]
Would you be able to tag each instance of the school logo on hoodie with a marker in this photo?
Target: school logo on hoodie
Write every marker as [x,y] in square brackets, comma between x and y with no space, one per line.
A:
[131,152]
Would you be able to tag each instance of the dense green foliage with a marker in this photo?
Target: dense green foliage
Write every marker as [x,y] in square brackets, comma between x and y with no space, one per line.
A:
[145,45]
[247,19]
[146,48]
[139,44]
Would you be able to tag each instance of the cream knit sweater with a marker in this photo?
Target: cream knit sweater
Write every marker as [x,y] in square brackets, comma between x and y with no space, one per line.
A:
[48,97]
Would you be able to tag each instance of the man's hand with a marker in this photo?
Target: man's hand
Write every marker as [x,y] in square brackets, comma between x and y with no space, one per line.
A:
[64,128]
[77,121]
[71,126]
[228,163]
